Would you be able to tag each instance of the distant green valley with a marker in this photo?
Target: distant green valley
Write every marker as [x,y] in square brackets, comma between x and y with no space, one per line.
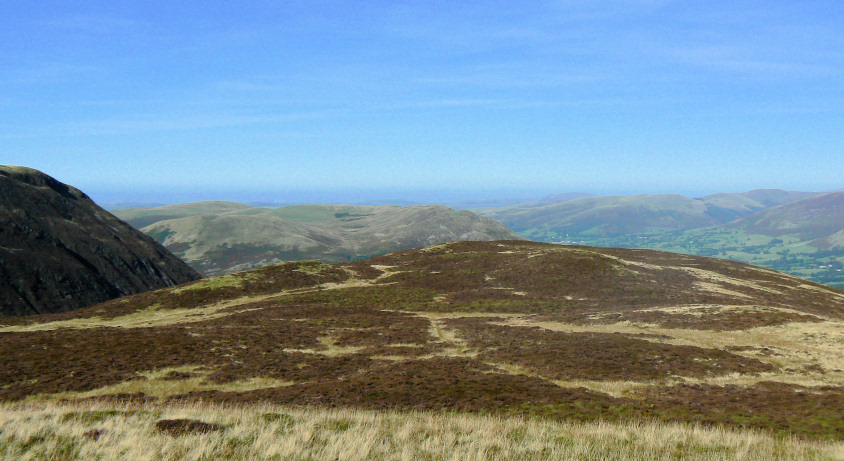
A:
[786,254]
[798,233]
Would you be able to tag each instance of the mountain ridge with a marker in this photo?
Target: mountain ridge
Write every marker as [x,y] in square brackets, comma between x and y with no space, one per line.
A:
[221,237]
[60,251]
[623,214]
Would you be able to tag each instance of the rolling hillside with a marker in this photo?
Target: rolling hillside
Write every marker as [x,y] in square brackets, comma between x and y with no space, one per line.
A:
[728,207]
[221,237]
[815,219]
[801,233]
[612,216]
[59,251]
[511,328]
[142,217]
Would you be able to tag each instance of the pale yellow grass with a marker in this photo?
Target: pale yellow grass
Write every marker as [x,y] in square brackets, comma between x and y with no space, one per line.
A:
[623,388]
[711,287]
[152,316]
[635,263]
[155,315]
[821,289]
[613,388]
[355,281]
[701,310]
[330,348]
[156,384]
[54,431]
[711,276]
[228,280]
[715,282]
[792,346]
[312,268]
[454,345]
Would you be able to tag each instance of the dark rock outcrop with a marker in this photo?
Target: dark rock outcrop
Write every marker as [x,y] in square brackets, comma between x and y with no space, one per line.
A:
[60,251]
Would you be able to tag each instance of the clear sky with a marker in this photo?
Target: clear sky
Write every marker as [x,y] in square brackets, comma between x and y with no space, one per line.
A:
[276,100]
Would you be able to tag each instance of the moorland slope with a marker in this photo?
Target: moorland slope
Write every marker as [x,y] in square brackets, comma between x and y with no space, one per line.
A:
[509,328]
[60,251]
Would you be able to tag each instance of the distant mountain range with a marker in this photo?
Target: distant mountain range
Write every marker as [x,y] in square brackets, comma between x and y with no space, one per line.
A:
[607,216]
[797,232]
[59,251]
[801,233]
[221,237]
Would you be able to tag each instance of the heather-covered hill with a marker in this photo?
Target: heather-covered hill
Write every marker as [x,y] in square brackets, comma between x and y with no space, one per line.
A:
[509,327]
[238,237]
[141,217]
[60,251]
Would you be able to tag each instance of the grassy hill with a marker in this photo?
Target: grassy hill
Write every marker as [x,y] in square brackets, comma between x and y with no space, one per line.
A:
[728,207]
[814,219]
[801,233]
[221,237]
[612,216]
[512,329]
[142,217]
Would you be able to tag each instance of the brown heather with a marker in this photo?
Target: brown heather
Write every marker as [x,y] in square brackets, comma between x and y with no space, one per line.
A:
[669,351]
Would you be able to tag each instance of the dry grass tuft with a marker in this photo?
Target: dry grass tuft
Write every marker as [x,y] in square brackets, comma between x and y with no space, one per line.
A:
[203,431]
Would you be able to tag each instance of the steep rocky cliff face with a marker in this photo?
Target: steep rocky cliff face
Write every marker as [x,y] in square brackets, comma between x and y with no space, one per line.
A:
[60,251]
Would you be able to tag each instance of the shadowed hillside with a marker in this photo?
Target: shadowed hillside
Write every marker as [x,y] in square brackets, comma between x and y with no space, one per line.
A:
[60,251]
[512,328]
[221,237]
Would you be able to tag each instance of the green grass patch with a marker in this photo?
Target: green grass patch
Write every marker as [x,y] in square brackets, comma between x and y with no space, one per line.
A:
[228,280]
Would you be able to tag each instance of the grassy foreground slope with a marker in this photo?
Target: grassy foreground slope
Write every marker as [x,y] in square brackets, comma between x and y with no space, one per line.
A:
[509,328]
[141,431]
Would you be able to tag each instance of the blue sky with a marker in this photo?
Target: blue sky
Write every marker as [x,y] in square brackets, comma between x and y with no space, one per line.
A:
[265,100]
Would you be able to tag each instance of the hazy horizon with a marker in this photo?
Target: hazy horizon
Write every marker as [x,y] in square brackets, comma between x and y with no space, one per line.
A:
[353,196]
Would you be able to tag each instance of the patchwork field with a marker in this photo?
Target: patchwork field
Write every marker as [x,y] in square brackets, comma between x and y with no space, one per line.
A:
[631,340]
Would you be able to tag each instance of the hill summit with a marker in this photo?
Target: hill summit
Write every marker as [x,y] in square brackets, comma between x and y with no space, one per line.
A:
[507,327]
[60,251]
